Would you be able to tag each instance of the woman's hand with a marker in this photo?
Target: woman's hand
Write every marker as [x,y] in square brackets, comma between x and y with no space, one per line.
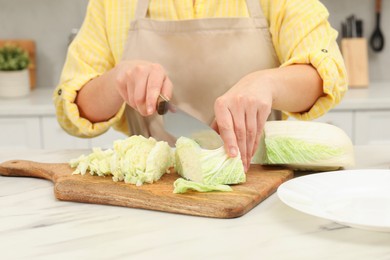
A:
[241,114]
[242,111]
[140,83]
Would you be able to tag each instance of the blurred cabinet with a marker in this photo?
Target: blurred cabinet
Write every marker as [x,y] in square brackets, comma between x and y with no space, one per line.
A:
[30,122]
[20,132]
[372,127]
[44,132]
[54,137]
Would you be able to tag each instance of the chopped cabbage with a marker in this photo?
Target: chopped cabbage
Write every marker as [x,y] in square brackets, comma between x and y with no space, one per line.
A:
[205,167]
[135,160]
[182,186]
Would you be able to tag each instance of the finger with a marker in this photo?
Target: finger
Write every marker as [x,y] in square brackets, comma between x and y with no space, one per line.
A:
[226,127]
[251,129]
[130,86]
[261,119]
[214,126]
[154,85]
[240,132]
[167,88]
[140,77]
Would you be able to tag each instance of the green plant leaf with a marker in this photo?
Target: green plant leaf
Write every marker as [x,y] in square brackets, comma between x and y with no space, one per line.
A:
[13,57]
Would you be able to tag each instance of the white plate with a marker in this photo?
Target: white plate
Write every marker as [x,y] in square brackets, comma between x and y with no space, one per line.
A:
[356,198]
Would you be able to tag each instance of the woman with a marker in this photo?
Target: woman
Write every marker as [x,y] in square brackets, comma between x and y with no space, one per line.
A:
[227,62]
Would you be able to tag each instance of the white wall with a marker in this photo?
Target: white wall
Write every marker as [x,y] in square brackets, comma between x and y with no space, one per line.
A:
[49,22]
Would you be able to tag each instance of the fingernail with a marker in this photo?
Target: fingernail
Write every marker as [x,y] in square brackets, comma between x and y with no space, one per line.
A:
[233,152]
[150,110]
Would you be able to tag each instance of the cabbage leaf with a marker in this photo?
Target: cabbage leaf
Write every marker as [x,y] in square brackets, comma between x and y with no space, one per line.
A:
[206,167]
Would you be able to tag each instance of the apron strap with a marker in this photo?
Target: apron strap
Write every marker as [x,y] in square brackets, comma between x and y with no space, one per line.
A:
[254,8]
[141,9]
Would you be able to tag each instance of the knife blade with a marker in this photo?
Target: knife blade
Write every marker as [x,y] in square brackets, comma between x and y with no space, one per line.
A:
[179,123]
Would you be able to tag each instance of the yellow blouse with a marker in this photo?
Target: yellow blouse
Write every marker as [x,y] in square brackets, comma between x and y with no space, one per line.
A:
[300,34]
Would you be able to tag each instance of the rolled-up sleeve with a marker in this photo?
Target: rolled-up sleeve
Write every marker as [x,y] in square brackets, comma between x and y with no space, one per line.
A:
[302,34]
[88,57]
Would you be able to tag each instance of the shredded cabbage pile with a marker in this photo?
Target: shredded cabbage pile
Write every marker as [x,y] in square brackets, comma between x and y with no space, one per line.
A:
[135,160]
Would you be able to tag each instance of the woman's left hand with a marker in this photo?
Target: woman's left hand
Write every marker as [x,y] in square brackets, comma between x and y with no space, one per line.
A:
[241,114]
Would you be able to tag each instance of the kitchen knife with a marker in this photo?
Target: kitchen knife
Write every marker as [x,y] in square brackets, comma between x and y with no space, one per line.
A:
[344,30]
[359,28]
[351,24]
[178,123]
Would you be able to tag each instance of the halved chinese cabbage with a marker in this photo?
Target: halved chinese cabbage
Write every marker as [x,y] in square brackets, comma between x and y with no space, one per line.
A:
[304,145]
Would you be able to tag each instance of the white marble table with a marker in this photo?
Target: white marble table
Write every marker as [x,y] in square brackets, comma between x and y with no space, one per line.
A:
[34,225]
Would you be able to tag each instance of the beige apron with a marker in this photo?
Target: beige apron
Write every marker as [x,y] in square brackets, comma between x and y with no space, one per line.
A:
[203,58]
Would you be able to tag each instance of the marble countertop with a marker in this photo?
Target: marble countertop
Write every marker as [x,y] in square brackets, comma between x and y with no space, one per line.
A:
[39,102]
[34,225]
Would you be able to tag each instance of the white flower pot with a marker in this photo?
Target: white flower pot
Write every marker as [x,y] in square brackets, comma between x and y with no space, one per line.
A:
[14,83]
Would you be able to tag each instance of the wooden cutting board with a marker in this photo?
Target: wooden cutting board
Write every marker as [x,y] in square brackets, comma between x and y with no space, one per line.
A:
[29,46]
[261,183]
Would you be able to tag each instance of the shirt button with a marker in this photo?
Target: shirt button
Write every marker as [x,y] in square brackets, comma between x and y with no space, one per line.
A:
[324,50]
[59,92]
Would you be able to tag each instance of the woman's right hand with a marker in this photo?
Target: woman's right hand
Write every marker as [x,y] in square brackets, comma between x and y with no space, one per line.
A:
[140,83]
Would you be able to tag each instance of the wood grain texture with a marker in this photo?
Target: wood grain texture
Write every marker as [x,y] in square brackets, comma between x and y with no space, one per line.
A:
[261,183]
[30,47]
[355,54]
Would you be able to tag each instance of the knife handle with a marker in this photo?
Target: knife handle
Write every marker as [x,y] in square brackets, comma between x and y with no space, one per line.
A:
[162,105]
[359,28]
[378,6]
[344,30]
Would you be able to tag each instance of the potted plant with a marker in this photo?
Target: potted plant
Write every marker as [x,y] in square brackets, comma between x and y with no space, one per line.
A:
[14,75]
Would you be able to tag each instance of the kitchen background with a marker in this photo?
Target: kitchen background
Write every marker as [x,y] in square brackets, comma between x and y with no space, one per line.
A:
[30,122]
[50,22]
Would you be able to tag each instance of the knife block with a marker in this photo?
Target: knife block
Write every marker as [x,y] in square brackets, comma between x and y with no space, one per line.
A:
[355,53]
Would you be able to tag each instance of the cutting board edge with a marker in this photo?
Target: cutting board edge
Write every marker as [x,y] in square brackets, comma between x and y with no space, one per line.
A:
[27,168]
[228,212]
